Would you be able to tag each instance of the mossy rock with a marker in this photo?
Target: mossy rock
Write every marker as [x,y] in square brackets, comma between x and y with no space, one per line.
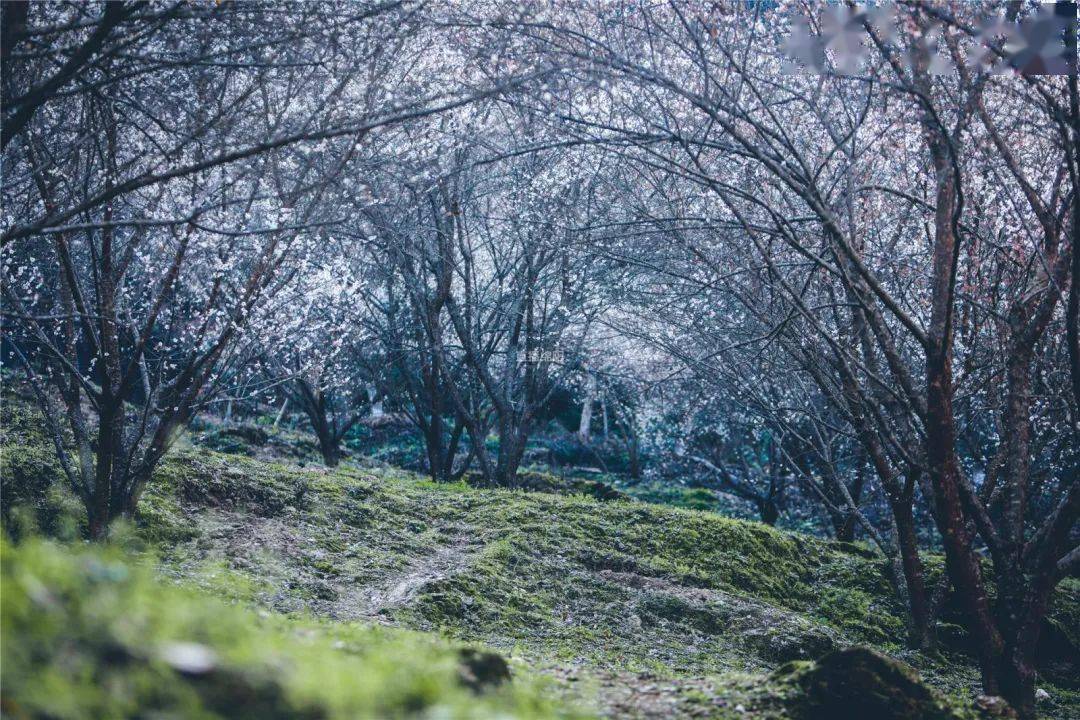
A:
[793,639]
[859,683]
[858,549]
[256,441]
[482,669]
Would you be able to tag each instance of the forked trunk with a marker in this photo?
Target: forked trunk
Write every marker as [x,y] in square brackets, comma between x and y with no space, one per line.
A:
[98,526]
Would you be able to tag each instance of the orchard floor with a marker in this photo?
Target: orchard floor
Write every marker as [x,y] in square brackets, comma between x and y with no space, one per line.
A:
[616,609]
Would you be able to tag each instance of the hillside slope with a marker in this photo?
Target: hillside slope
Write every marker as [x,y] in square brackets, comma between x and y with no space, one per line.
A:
[629,608]
[93,634]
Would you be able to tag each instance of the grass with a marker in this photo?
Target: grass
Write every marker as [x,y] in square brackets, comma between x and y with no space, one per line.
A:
[90,633]
[608,597]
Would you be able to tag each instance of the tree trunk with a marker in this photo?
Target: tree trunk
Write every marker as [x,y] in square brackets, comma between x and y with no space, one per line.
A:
[604,414]
[768,511]
[900,497]
[1072,310]
[281,413]
[330,447]
[98,526]
[434,441]
[314,404]
[961,559]
[1019,619]
[845,530]
[634,455]
[585,425]
[511,447]
[451,451]
[1017,676]
[1017,440]
[1017,679]
[375,400]
[100,512]
[908,542]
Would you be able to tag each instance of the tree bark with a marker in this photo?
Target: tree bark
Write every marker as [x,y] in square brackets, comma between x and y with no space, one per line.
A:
[330,447]
[434,442]
[634,455]
[585,425]
[768,511]
[280,413]
[961,559]
[908,542]
[511,447]
[1072,310]
[845,528]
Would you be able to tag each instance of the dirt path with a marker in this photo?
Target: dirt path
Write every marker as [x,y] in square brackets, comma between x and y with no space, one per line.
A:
[399,589]
[280,550]
[647,697]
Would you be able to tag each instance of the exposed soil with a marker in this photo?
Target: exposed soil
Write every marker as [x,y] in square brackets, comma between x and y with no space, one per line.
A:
[398,589]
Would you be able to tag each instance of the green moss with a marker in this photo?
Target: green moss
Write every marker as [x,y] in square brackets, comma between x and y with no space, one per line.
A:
[33,493]
[661,607]
[161,518]
[618,589]
[89,634]
[1066,615]
[256,440]
[859,683]
[859,601]
[682,496]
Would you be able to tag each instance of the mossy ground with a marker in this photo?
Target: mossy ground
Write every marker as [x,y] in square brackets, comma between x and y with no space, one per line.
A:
[91,633]
[633,608]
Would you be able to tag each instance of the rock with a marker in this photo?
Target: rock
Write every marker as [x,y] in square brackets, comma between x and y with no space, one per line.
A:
[781,637]
[858,683]
[955,637]
[663,607]
[992,706]
[480,669]
[324,590]
[598,490]
[1041,695]
[188,657]
[785,643]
